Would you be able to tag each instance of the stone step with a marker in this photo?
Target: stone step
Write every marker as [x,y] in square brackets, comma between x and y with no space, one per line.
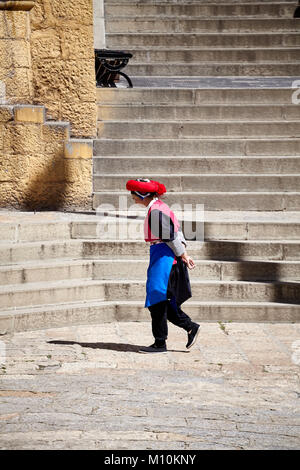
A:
[207,69]
[57,315]
[224,24]
[215,291]
[213,201]
[162,8]
[124,269]
[129,225]
[205,270]
[191,112]
[11,253]
[197,147]
[46,271]
[97,312]
[189,55]
[208,182]
[13,296]
[226,250]
[34,231]
[195,129]
[197,165]
[196,96]
[214,39]
[40,293]
[283,2]
[220,311]
[82,227]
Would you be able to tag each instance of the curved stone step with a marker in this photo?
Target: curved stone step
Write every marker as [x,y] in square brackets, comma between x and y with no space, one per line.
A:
[205,270]
[210,200]
[237,250]
[55,292]
[18,252]
[214,225]
[114,268]
[38,294]
[275,291]
[45,271]
[97,312]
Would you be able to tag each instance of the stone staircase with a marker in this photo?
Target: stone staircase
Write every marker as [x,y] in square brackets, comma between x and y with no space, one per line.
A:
[229,144]
[229,149]
[59,269]
[205,38]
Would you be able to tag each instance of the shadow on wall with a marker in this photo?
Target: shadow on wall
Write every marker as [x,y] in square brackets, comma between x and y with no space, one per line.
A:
[47,189]
[48,172]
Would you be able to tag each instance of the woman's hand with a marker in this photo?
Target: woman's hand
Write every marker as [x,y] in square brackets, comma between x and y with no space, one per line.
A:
[188,260]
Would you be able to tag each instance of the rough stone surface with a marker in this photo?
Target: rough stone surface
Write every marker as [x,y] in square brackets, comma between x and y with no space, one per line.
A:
[87,387]
[36,171]
[15,58]
[62,47]
[47,58]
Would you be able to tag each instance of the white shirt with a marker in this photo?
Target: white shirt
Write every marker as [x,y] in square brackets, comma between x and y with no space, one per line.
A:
[151,202]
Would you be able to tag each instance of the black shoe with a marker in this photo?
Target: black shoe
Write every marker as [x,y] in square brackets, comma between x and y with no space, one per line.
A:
[192,336]
[153,349]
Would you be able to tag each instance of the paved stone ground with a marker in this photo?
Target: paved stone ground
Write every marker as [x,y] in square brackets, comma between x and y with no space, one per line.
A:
[87,387]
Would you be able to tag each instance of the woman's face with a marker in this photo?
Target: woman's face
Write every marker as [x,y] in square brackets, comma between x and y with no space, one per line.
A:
[138,200]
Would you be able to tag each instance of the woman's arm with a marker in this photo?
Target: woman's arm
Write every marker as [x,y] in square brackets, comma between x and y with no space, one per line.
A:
[188,260]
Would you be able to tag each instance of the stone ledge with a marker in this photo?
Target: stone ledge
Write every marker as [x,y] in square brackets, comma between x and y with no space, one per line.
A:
[30,113]
[77,148]
[17,5]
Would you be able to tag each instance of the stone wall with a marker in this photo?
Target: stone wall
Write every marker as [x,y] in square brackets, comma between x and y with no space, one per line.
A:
[40,166]
[47,104]
[62,48]
[15,58]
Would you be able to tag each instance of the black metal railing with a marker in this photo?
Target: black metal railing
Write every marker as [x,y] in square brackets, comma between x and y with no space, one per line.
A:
[108,65]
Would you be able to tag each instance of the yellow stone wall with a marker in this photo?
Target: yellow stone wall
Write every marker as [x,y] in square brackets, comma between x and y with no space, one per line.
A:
[40,166]
[62,48]
[15,59]
[47,76]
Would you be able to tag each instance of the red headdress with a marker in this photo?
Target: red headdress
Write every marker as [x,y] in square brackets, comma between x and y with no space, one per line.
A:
[145,186]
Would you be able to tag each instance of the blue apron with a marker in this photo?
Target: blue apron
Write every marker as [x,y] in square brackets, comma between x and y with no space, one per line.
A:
[158,273]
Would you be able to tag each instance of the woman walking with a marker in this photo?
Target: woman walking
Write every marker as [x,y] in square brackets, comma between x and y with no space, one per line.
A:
[168,284]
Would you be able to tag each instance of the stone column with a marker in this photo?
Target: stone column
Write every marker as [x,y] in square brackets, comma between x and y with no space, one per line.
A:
[99,24]
[15,54]
[63,62]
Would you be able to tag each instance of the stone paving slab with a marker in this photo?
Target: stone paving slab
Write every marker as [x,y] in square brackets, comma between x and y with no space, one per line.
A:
[88,387]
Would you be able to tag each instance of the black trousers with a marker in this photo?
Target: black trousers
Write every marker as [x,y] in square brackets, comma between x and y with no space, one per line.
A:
[167,310]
